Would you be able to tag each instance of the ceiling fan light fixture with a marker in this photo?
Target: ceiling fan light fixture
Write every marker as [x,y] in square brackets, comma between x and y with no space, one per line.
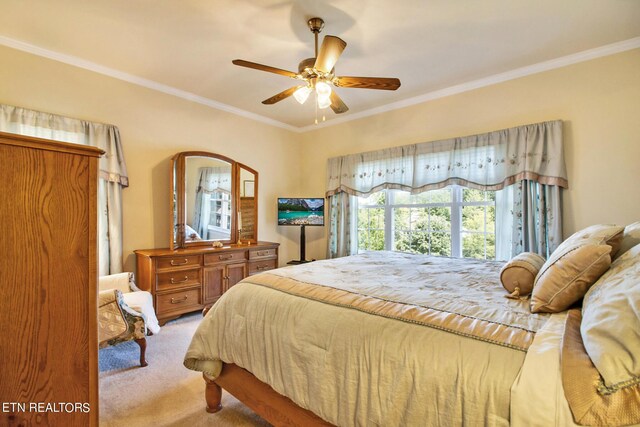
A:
[324,101]
[319,75]
[323,89]
[302,93]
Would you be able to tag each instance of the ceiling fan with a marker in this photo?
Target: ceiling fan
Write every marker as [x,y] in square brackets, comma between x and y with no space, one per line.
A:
[318,74]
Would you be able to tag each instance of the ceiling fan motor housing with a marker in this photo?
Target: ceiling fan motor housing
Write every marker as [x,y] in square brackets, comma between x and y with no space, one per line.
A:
[319,73]
[306,65]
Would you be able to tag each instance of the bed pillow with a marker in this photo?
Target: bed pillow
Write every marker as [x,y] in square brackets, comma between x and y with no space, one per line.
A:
[517,275]
[630,238]
[610,326]
[568,274]
[609,234]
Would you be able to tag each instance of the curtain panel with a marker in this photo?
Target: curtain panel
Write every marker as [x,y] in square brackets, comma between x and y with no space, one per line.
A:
[343,238]
[210,180]
[489,161]
[528,219]
[112,169]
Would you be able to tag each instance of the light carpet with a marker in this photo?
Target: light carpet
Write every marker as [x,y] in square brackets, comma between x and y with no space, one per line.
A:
[165,393]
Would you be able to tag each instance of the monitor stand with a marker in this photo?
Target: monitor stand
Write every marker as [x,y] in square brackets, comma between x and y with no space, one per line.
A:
[302,259]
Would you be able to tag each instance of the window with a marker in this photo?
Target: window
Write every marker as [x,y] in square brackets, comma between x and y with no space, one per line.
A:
[453,221]
[220,217]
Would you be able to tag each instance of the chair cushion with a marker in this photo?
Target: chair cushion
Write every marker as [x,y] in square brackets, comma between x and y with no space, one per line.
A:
[142,302]
[111,324]
[119,281]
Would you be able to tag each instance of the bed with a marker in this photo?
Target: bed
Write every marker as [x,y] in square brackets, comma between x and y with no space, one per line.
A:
[384,339]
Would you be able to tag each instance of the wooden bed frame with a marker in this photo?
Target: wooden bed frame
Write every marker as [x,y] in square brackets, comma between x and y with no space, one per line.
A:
[260,397]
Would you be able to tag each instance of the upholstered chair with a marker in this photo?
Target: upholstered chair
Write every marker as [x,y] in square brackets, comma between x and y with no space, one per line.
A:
[125,313]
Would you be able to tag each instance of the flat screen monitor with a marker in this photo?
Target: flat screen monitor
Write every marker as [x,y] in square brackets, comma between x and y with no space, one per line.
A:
[300,211]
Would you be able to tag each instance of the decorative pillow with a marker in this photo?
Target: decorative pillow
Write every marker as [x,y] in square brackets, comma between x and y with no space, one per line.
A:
[630,238]
[611,323]
[609,234]
[517,275]
[568,273]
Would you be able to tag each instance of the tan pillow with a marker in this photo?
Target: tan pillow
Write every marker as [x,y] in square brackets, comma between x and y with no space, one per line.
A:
[630,238]
[567,275]
[609,234]
[517,275]
[611,322]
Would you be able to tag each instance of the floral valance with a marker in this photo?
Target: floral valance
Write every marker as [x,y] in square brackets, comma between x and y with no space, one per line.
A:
[488,161]
[50,126]
[213,180]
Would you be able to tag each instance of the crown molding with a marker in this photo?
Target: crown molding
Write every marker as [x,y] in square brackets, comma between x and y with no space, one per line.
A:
[130,78]
[540,67]
[563,61]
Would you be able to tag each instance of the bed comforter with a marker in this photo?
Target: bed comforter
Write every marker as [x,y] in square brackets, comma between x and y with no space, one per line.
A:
[377,339]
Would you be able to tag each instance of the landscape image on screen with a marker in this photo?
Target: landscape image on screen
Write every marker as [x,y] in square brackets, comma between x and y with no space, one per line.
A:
[300,211]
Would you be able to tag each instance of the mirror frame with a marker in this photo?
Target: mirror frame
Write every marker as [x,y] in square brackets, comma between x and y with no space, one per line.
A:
[178,203]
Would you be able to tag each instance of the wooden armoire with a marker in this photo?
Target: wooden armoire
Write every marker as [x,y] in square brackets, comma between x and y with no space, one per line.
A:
[48,283]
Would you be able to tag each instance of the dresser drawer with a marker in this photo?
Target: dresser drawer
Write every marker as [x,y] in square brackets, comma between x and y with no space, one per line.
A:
[260,266]
[262,253]
[178,302]
[225,257]
[178,261]
[178,279]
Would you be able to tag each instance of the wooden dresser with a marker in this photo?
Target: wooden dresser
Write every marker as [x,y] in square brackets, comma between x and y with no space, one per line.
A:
[48,283]
[185,280]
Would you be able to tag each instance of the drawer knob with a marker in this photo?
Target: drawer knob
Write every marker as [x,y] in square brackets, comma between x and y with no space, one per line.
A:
[262,267]
[179,300]
[225,257]
[174,281]
[174,262]
[262,253]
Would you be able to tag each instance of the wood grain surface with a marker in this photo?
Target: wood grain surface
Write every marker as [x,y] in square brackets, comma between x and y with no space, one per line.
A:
[48,341]
[190,279]
[279,410]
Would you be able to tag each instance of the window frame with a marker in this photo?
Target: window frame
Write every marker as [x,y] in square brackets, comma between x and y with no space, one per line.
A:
[224,199]
[456,205]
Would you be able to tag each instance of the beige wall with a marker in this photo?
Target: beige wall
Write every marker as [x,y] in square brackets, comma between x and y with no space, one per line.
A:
[598,100]
[155,126]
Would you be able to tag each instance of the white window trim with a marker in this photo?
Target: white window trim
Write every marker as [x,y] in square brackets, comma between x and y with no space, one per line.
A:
[456,206]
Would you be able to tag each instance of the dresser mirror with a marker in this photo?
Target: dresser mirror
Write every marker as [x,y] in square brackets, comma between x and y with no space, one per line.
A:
[213,199]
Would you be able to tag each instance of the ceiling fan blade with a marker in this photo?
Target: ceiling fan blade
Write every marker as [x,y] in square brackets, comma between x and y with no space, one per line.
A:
[267,68]
[330,51]
[282,95]
[382,83]
[337,105]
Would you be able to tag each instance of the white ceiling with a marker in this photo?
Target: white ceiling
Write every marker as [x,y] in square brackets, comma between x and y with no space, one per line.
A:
[186,46]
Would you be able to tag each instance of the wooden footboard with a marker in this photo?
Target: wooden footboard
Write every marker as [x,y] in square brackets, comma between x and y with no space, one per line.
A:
[260,397]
